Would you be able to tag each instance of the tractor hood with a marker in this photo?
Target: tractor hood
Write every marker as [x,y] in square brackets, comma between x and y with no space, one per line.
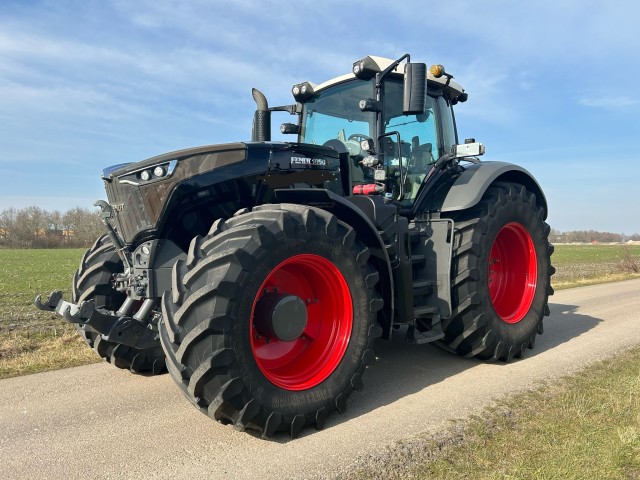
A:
[186,190]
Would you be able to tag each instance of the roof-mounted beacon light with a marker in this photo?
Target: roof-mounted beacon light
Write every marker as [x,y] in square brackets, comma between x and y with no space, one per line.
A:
[436,70]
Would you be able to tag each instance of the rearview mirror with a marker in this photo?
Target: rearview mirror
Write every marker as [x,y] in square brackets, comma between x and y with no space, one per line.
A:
[415,88]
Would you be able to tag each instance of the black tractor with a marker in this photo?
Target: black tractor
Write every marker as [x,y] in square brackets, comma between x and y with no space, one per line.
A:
[260,273]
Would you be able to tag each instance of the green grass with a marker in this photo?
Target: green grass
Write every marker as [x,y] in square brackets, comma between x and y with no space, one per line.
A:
[31,340]
[586,426]
[26,273]
[566,254]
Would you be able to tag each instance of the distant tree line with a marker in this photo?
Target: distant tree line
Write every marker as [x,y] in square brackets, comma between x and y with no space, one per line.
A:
[590,236]
[34,227]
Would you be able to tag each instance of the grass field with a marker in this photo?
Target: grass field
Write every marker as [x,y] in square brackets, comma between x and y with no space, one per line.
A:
[589,264]
[586,426]
[32,340]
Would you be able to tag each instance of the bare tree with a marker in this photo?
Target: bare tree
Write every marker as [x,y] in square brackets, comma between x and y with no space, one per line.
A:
[34,227]
[31,227]
[7,226]
[85,225]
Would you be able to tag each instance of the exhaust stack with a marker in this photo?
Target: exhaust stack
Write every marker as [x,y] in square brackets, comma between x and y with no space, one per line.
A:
[261,131]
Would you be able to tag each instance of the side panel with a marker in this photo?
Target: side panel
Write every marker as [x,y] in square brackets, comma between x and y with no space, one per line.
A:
[218,193]
[470,186]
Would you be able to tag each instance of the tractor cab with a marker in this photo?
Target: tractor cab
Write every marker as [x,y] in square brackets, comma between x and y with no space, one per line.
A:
[392,144]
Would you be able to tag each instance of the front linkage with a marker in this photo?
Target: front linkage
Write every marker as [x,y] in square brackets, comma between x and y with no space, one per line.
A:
[117,327]
[114,327]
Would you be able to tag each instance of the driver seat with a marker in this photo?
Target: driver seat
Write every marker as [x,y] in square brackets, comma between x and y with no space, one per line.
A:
[423,157]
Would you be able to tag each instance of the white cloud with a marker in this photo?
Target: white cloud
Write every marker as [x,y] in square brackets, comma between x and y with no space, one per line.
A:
[621,101]
[67,100]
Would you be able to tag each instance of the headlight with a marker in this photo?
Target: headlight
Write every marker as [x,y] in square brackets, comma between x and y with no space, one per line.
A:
[302,91]
[149,173]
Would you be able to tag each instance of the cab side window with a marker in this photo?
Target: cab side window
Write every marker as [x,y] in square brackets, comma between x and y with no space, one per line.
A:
[447,125]
[420,146]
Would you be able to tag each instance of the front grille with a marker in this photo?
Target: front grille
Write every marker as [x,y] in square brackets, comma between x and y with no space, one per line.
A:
[131,213]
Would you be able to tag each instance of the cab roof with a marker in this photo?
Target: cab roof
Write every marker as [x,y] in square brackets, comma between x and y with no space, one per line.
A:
[448,85]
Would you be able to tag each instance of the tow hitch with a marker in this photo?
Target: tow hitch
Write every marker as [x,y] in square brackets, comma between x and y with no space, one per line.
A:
[113,327]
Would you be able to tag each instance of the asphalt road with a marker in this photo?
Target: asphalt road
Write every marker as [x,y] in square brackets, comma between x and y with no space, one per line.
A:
[100,422]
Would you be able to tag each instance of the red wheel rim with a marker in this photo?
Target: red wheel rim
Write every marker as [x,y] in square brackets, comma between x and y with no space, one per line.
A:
[513,273]
[308,360]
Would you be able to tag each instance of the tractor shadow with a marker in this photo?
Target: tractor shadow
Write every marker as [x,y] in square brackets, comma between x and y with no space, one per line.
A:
[403,369]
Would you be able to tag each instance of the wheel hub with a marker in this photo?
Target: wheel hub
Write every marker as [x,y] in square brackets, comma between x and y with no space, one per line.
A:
[301,322]
[281,316]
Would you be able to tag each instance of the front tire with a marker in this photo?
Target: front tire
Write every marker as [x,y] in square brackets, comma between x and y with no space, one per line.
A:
[230,348]
[93,281]
[501,275]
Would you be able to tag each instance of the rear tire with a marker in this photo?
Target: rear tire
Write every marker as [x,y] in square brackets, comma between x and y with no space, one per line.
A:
[222,350]
[501,272]
[93,280]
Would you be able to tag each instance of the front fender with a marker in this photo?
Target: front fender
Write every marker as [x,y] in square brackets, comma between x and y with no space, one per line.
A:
[362,221]
[471,185]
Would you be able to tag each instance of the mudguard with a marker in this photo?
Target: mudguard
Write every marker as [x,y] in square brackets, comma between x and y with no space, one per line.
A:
[470,186]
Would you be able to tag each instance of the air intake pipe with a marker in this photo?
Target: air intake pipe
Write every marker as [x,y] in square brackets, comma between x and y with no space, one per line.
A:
[261,119]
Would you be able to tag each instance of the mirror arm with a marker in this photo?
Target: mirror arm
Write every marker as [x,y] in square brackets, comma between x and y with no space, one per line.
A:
[380,76]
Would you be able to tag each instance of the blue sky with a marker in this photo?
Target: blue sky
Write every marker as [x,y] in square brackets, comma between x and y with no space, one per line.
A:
[86,84]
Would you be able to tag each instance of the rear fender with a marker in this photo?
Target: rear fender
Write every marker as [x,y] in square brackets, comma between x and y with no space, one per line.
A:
[471,185]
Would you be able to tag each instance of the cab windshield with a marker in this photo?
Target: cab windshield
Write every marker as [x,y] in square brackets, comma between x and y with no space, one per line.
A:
[408,149]
[334,114]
